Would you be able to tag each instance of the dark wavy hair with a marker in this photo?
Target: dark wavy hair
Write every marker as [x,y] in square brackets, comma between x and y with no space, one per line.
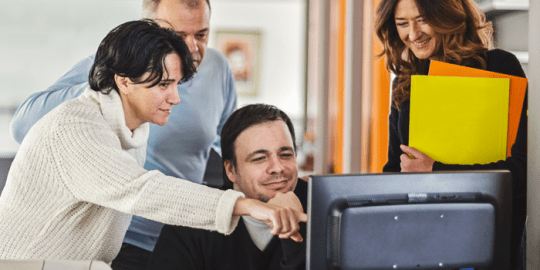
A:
[462,32]
[242,119]
[134,48]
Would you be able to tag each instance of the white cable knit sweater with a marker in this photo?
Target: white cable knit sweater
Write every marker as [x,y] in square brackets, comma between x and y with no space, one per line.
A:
[78,178]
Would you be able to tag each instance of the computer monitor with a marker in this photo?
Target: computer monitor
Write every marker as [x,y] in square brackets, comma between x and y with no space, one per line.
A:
[449,220]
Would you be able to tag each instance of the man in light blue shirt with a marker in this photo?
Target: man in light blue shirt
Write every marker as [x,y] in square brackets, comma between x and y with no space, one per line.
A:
[182,146]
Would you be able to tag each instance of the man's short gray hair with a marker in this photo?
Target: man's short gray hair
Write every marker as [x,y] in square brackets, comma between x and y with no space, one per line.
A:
[150,6]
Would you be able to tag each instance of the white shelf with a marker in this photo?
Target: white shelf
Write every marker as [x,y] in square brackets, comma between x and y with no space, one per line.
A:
[496,6]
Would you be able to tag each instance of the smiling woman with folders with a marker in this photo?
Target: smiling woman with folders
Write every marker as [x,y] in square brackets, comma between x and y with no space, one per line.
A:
[412,33]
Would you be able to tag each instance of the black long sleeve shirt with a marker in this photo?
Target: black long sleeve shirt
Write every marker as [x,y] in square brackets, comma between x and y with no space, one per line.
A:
[497,61]
[188,248]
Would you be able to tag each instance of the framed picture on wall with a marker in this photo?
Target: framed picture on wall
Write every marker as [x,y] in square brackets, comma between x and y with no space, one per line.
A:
[243,50]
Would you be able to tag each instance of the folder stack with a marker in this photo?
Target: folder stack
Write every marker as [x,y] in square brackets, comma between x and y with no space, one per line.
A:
[462,115]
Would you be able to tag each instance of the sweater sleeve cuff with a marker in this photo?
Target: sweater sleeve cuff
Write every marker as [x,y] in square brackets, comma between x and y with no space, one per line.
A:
[438,166]
[225,221]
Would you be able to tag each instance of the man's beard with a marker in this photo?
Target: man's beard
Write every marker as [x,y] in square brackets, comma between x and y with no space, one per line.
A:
[265,198]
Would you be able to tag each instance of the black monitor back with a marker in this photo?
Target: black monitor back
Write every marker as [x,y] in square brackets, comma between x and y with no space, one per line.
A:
[409,221]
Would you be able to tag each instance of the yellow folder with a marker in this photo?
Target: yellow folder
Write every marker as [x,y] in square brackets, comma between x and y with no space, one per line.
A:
[518,87]
[459,120]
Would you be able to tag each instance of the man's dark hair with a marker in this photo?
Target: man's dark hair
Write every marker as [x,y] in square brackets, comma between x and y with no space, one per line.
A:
[242,119]
[134,48]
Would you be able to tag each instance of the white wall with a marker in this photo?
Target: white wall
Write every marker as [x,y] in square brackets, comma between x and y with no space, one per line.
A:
[41,40]
[533,170]
[282,23]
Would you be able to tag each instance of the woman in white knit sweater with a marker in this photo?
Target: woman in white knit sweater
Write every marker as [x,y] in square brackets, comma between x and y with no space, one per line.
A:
[78,177]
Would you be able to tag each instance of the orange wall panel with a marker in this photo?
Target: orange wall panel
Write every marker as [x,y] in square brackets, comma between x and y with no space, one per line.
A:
[337,90]
[380,93]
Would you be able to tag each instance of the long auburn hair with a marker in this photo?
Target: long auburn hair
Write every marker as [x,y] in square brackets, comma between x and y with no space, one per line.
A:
[462,32]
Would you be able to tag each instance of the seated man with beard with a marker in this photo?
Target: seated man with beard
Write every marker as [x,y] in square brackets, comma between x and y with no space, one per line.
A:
[259,160]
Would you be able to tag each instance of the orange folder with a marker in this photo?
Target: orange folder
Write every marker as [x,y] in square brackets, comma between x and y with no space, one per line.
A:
[518,86]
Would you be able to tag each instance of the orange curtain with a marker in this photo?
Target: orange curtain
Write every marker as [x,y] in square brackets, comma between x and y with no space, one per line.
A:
[337,81]
[381,108]
[379,97]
